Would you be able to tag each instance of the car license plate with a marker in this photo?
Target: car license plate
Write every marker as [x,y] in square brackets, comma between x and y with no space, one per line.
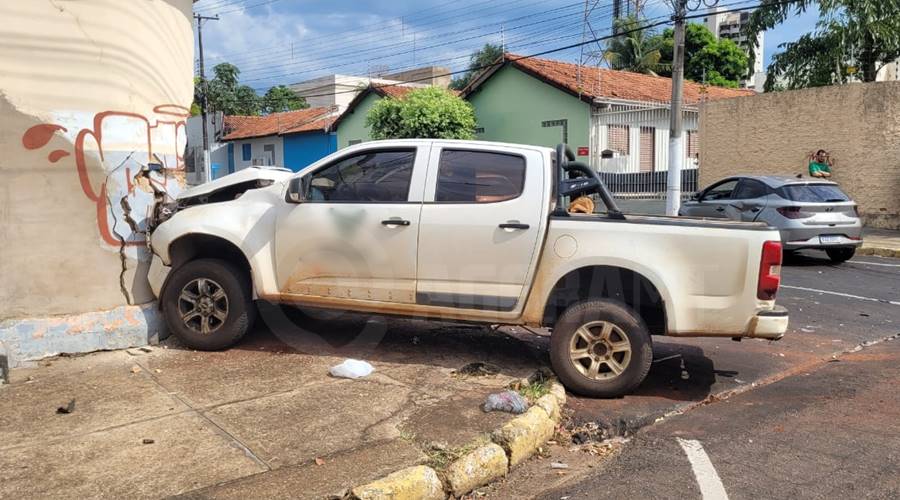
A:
[830,239]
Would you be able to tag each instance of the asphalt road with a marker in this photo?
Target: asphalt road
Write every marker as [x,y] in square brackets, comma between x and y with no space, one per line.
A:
[814,415]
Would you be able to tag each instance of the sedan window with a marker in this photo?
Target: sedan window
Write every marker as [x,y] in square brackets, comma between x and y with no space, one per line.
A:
[720,191]
[812,193]
[750,189]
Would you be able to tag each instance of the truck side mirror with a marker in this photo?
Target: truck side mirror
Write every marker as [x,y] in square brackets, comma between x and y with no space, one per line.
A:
[295,191]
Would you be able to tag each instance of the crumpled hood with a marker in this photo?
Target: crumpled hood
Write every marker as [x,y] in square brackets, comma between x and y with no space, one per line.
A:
[247,175]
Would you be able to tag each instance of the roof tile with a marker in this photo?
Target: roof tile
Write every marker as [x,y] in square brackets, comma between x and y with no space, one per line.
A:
[290,122]
[599,83]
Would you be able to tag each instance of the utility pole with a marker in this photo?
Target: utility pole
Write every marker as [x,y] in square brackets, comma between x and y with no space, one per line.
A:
[676,139]
[207,166]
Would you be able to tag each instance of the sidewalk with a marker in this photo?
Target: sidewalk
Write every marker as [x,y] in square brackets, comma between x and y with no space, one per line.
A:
[883,242]
[263,419]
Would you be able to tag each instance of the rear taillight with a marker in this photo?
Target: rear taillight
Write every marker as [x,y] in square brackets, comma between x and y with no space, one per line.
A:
[794,212]
[769,271]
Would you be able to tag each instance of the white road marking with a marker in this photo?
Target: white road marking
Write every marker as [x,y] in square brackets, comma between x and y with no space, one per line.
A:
[872,263]
[711,487]
[839,294]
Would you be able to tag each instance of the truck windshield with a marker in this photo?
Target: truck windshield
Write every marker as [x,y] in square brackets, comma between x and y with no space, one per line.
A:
[813,193]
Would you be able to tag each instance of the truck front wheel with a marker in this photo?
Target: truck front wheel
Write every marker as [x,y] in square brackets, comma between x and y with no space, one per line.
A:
[207,304]
[600,348]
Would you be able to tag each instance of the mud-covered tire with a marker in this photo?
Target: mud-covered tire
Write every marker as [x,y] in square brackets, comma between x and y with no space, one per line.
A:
[569,340]
[222,329]
[838,255]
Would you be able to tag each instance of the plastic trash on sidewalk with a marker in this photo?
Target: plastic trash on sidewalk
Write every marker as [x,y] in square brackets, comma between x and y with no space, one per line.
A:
[508,401]
[352,368]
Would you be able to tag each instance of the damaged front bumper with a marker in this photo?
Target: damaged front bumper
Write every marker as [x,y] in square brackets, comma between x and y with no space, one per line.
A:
[157,275]
[769,324]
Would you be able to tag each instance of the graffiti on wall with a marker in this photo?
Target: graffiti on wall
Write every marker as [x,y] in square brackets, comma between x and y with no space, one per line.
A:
[110,149]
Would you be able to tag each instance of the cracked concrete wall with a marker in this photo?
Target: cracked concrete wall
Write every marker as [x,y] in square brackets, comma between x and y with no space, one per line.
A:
[859,124]
[90,92]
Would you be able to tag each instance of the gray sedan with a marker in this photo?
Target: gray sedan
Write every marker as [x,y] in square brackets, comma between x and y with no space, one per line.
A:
[810,213]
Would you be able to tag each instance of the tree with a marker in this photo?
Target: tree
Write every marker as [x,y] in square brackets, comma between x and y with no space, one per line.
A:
[482,57]
[281,98]
[637,50]
[428,113]
[716,62]
[226,94]
[853,39]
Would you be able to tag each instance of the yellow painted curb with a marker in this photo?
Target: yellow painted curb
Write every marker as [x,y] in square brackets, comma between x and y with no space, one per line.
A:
[523,435]
[475,469]
[412,483]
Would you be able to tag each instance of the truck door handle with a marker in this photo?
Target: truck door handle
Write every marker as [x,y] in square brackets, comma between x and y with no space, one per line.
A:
[720,209]
[512,225]
[395,222]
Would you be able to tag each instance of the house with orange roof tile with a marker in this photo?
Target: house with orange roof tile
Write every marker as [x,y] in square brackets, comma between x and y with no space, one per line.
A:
[616,121]
[293,139]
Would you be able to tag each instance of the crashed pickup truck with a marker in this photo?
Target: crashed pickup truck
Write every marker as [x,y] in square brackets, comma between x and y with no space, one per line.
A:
[469,231]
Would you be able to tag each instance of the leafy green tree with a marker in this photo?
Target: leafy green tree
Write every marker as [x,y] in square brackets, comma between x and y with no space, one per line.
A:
[226,94]
[431,113]
[281,98]
[853,39]
[482,57]
[716,62]
[636,50]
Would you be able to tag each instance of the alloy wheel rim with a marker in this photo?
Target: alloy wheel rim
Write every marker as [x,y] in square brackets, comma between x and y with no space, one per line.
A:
[600,350]
[203,306]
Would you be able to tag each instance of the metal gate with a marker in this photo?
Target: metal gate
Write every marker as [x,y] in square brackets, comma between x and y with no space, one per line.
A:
[630,149]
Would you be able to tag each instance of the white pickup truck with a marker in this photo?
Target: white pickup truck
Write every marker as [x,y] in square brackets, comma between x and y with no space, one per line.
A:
[470,231]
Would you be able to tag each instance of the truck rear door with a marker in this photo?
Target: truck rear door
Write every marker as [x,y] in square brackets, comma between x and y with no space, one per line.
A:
[480,225]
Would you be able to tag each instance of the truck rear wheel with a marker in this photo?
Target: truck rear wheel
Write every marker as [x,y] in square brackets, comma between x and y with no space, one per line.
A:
[207,304]
[600,348]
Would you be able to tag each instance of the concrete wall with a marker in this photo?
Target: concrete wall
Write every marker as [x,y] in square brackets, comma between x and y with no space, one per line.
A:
[859,124]
[511,107]
[257,144]
[90,92]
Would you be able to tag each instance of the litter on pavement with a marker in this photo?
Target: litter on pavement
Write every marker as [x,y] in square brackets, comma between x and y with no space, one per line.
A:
[508,401]
[352,368]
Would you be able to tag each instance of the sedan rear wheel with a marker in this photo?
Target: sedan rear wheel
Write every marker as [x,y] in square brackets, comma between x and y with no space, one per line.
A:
[838,255]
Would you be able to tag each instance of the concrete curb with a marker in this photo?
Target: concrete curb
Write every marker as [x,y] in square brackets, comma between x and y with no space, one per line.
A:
[514,442]
[879,251]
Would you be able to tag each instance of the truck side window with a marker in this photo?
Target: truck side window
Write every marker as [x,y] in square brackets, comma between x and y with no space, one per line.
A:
[373,176]
[479,176]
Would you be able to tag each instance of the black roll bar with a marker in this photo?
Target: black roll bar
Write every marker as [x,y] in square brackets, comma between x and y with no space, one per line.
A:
[565,163]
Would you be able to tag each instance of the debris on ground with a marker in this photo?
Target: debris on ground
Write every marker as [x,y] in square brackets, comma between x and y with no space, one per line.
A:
[352,368]
[135,369]
[477,369]
[558,465]
[147,441]
[660,360]
[508,401]
[65,410]
[320,461]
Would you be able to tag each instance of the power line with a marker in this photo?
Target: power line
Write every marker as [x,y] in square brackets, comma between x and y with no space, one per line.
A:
[360,37]
[437,45]
[663,20]
[443,35]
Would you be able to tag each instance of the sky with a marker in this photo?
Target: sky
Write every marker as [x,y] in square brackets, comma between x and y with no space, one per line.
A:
[287,41]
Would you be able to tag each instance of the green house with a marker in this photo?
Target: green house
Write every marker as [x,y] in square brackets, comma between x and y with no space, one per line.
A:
[350,126]
[616,121]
